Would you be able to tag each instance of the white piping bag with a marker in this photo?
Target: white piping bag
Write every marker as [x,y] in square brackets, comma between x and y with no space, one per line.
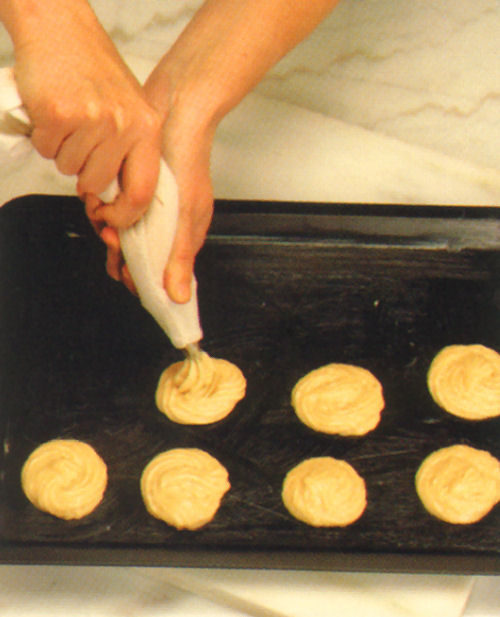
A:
[146,245]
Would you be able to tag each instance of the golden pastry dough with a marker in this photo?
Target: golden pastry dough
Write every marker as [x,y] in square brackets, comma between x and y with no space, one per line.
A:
[324,492]
[465,381]
[200,390]
[339,399]
[459,484]
[64,477]
[184,487]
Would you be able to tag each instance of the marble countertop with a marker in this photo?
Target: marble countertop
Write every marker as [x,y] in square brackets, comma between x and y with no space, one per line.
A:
[387,102]
[102,591]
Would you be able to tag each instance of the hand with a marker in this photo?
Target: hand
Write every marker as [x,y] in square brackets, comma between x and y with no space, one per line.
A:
[189,161]
[200,79]
[115,263]
[89,113]
[188,156]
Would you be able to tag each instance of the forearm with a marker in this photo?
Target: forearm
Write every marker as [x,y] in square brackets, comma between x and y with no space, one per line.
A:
[28,21]
[226,50]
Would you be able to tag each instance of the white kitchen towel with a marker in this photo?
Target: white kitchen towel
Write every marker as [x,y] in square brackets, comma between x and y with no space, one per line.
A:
[146,245]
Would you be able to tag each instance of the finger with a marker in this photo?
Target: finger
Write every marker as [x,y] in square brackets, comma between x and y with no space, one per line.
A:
[75,150]
[179,270]
[127,279]
[101,167]
[178,277]
[92,204]
[139,176]
[114,263]
[114,258]
[111,239]
[47,143]
[192,226]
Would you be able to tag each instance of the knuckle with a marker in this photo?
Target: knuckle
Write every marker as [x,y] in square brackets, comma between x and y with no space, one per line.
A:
[199,209]
[137,205]
[118,119]
[61,112]
[151,120]
[67,168]
[185,254]
[121,213]
[92,110]
[148,123]
[140,195]
[88,186]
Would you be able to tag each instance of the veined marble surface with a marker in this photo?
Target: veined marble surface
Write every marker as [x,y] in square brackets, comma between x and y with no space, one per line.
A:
[151,592]
[386,102]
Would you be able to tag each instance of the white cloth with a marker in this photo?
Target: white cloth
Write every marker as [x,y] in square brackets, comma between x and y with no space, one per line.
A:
[146,245]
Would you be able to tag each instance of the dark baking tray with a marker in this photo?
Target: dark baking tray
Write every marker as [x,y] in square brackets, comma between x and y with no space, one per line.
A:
[283,288]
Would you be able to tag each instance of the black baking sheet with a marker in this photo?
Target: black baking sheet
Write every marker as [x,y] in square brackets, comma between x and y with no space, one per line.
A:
[283,289]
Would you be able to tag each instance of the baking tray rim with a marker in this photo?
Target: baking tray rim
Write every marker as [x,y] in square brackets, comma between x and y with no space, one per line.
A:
[288,219]
[281,559]
[449,227]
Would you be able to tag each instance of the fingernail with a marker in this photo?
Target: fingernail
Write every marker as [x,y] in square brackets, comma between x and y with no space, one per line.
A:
[182,292]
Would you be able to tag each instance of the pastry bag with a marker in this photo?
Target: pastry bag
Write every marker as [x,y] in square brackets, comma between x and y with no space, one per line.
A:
[146,245]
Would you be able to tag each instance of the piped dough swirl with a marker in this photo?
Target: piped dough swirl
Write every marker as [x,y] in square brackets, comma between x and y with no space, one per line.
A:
[459,484]
[64,477]
[465,381]
[339,399]
[184,487]
[324,492]
[200,390]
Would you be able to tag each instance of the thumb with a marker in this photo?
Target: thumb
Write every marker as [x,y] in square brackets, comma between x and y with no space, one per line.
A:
[179,272]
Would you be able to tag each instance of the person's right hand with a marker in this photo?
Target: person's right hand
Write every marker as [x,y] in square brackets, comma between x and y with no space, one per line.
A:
[89,112]
[188,156]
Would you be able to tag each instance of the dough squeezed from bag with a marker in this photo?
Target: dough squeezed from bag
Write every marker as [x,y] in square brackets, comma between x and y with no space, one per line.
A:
[324,492]
[459,484]
[184,487]
[200,390]
[64,477]
[339,399]
[465,381]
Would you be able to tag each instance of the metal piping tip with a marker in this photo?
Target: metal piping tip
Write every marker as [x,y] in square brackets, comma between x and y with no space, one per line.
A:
[12,125]
[192,351]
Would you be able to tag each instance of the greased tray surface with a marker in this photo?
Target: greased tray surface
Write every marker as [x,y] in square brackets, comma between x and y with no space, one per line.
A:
[376,287]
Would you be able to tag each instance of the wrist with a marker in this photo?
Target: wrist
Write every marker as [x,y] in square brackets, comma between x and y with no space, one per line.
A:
[187,127]
[183,97]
